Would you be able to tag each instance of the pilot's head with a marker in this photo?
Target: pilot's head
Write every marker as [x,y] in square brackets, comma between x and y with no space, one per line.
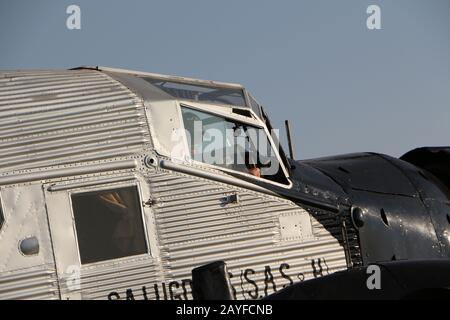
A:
[254,170]
[251,163]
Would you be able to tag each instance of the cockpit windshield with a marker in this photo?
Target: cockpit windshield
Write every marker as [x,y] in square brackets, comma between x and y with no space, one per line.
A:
[231,144]
[195,92]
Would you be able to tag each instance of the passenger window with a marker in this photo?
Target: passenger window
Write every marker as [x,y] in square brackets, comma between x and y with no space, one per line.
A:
[109,224]
[231,144]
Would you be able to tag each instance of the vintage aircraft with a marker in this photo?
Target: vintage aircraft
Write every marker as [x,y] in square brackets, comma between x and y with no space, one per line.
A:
[111,187]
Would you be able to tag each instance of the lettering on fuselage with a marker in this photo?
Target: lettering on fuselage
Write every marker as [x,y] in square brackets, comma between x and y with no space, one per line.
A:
[180,290]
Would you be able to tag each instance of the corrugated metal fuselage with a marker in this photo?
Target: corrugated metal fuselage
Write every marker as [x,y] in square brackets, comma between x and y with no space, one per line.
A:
[71,132]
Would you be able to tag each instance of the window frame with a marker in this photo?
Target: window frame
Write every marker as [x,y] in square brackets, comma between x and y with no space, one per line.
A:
[209,85]
[102,188]
[2,214]
[251,98]
[254,121]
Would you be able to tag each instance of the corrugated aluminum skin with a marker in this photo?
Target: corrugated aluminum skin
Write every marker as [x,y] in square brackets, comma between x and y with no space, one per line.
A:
[100,281]
[61,120]
[58,119]
[64,117]
[29,284]
[196,227]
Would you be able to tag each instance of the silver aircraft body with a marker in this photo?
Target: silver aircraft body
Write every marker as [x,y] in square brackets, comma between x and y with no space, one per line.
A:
[100,199]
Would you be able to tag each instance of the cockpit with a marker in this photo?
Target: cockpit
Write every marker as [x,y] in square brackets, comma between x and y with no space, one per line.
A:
[214,125]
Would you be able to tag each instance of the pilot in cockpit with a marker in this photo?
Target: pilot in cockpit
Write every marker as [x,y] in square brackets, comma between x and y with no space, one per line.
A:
[252,165]
[254,170]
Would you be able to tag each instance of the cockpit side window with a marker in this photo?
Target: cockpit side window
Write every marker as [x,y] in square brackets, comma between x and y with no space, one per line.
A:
[255,106]
[231,144]
[109,224]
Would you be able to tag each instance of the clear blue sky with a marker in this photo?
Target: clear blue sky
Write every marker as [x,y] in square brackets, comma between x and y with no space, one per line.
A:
[345,88]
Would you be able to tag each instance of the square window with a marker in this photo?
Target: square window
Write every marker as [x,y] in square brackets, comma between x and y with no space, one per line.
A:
[109,224]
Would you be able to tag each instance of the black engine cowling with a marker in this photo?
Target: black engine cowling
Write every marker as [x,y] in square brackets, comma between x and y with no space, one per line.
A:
[401,206]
